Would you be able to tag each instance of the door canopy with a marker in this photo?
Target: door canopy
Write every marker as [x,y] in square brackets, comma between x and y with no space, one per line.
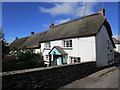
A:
[57,50]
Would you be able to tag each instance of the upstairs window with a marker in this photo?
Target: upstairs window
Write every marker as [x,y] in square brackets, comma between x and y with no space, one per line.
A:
[67,43]
[47,45]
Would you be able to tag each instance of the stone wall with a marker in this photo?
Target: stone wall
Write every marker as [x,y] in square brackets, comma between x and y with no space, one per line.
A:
[49,77]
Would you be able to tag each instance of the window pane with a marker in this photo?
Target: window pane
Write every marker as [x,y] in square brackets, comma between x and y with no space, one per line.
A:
[71,59]
[78,59]
[47,45]
[75,61]
[64,44]
[70,43]
[67,42]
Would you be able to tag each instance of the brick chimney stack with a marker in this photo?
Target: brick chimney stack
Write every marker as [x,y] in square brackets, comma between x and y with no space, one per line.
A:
[102,11]
[16,38]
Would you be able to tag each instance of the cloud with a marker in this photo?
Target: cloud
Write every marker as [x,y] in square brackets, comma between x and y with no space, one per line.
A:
[69,8]
[57,22]
[61,21]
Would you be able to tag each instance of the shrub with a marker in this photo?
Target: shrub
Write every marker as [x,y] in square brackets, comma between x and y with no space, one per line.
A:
[23,59]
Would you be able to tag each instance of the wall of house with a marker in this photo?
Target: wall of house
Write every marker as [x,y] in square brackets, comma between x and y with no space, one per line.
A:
[37,50]
[104,48]
[82,47]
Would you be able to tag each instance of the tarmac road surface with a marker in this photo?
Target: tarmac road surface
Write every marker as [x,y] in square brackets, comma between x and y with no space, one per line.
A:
[107,78]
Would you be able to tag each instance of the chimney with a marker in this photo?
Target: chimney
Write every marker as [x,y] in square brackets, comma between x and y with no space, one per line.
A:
[32,33]
[16,38]
[102,11]
[51,25]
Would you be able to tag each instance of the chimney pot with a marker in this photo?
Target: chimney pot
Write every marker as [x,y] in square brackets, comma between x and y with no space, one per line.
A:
[16,38]
[32,33]
[102,11]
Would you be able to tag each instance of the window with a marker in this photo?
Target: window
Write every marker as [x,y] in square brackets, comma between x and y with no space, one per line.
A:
[47,57]
[64,60]
[75,59]
[67,43]
[47,45]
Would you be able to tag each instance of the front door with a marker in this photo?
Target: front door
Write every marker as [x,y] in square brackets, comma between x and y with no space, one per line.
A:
[59,61]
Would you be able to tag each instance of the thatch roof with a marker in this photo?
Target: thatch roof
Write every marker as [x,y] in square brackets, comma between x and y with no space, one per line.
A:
[81,27]
[17,43]
[33,40]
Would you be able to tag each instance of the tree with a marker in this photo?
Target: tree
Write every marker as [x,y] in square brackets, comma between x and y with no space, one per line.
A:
[5,47]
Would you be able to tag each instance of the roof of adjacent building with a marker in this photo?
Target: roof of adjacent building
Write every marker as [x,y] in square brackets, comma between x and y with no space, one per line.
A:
[116,41]
[17,43]
[81,27]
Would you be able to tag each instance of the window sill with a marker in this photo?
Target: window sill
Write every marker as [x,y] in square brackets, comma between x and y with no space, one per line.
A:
[46,48]
[65,48]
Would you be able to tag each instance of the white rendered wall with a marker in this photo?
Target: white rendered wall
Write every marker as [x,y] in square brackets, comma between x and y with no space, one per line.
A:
[102,49]
[82,47]
[117,47]
[36,50]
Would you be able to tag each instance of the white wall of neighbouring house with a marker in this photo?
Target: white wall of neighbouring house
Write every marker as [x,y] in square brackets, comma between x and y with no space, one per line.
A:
[104,48]
[82,47]
[36,50]
[117,47]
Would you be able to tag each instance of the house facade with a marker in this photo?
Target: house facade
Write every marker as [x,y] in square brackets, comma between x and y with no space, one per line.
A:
[97,48]
[70,50]
[81,40]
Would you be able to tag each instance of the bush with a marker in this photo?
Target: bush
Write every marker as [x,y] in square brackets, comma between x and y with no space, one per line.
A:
[23,59]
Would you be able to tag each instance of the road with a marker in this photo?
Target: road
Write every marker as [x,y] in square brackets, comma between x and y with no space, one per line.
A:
[107,78]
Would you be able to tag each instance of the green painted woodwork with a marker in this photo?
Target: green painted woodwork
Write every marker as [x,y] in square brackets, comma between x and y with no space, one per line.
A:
[58,58]
[55,52]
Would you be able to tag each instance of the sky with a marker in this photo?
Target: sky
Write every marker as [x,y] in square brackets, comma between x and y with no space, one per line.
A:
[21,18]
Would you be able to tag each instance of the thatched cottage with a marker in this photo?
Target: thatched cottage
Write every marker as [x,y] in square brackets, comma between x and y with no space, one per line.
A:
[84,39]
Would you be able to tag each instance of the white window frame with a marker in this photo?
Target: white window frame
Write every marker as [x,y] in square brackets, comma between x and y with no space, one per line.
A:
[75,59]
[47,45]
[68,43]
[47,57]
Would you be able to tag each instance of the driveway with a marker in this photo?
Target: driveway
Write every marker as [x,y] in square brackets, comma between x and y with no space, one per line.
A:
[107,78]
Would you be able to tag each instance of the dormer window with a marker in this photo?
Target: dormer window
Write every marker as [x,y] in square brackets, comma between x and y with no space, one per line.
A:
[67,43]
[47,45]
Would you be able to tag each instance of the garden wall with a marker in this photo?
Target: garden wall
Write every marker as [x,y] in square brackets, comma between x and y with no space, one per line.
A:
[48,77]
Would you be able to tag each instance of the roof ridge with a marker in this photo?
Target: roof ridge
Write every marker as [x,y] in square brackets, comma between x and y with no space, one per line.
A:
[77,19]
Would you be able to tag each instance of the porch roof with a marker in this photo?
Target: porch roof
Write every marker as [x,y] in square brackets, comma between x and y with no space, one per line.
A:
[60,50]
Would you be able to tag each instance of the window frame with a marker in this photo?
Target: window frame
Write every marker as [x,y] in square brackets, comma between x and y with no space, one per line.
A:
[75,59]
[68,43]
[47,45]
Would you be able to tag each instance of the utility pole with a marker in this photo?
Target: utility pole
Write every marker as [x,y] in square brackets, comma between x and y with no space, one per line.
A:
[102,3]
